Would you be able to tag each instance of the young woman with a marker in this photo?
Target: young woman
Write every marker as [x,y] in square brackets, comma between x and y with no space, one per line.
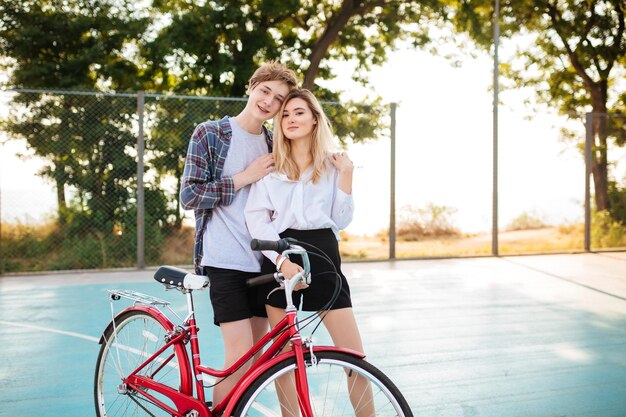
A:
[224,157]
[307,197]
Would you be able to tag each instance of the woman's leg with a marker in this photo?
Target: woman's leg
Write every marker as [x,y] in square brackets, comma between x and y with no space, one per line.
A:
[285,385]
[342,327]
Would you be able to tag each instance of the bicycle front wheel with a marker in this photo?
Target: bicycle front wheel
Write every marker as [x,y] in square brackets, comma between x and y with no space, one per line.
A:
[339,385]
[136,337]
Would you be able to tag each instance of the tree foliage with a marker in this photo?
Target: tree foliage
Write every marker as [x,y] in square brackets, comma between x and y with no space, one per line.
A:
[169,46]
[216,45]
[574,55]
[88,142]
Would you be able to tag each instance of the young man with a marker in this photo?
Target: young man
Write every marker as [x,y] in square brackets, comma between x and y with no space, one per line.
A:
[224,157]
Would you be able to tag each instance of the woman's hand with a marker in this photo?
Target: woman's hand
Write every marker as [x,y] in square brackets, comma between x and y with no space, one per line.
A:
[342,162]
[345,168]
[289,269]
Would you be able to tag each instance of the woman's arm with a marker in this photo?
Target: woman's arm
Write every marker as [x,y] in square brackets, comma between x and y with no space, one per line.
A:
[343,203]
[345,168]
[258,214]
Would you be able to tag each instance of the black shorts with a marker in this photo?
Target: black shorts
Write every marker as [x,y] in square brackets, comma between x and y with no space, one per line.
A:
[323,279]
[231,298]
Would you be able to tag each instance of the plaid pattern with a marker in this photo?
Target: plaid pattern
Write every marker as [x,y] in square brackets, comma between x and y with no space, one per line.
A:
[203,187]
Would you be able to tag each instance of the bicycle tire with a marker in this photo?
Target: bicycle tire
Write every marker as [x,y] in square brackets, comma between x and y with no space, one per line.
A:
[329,389]
[139,335]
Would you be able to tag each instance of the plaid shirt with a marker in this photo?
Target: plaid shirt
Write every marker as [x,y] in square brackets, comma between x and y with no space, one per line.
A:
[202,187]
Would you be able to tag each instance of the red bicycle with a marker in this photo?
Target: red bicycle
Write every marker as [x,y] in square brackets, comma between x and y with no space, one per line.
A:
[148,366]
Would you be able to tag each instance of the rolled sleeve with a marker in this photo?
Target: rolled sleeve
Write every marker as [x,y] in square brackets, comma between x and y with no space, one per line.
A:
[343,209]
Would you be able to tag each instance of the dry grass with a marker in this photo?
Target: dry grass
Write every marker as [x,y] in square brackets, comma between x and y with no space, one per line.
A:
[178,247]
[547,239]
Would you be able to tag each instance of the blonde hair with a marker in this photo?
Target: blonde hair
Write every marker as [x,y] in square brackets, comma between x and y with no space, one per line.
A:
[273,71]
[322,144]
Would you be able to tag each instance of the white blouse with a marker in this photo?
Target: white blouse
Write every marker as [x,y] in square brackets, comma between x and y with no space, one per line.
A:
[276,203]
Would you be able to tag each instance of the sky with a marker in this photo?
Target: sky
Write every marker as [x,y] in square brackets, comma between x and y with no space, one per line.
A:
[443,151]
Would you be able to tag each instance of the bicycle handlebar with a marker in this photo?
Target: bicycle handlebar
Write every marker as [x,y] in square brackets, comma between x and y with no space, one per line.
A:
[275,245]
[286,246]
[263,279]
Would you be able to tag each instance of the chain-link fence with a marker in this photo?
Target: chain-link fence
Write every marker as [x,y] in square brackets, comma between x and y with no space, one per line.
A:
[87,149]
[91,180]
[105,172]
[445,179]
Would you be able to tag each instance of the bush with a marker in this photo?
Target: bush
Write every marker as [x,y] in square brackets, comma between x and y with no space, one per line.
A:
[606,232]
[80,242]
[431,221]
[27,247]
[617,201]
[526,221]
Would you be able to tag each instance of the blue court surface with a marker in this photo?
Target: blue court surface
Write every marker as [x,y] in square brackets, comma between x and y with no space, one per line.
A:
[511,336]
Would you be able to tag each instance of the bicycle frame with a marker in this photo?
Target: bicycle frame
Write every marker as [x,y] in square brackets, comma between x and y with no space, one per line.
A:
[285,332]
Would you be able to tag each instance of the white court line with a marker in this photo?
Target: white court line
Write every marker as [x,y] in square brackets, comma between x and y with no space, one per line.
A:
[49,330]
[206,378]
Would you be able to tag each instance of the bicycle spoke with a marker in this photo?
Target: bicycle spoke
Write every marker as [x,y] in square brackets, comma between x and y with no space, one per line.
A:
[339,385]
[136,401]
[138,336]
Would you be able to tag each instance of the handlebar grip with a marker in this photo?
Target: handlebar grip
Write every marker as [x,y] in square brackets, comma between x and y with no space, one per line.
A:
[263,279]
[275,245]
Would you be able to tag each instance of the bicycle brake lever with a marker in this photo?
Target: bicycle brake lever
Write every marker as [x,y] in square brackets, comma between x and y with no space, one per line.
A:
[282,287]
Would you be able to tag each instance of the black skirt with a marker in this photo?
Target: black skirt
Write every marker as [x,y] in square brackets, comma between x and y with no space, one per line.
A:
[323,279]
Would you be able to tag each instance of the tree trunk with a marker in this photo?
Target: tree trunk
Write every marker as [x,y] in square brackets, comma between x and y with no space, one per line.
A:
[599,153]
[348,9]
[59,179]
[599,97]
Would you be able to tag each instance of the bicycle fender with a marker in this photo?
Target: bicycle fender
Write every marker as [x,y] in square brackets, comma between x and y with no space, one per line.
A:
[163,320]
[248,379]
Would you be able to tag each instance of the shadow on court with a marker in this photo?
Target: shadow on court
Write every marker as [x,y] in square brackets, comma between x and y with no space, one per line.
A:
[512,336]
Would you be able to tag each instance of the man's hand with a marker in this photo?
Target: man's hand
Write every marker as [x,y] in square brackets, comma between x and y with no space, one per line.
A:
[259,168]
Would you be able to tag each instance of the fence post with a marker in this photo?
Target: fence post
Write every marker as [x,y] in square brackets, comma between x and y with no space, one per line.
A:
[392,193]
[588,148]
[496,71]
[1,253]
[140,192]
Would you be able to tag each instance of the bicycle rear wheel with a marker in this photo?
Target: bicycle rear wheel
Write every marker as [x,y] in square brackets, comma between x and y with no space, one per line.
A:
[339,385]
[139,336]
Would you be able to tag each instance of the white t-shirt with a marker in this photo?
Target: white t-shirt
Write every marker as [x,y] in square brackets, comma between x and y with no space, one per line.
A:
[277,203]
[226,242]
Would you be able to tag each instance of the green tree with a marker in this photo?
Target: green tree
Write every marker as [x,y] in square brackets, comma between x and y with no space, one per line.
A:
[215,46]
[79,45]
[212,48]
[575,59]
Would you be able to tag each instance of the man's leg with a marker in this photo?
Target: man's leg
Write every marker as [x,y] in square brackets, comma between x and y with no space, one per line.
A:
[238,338]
